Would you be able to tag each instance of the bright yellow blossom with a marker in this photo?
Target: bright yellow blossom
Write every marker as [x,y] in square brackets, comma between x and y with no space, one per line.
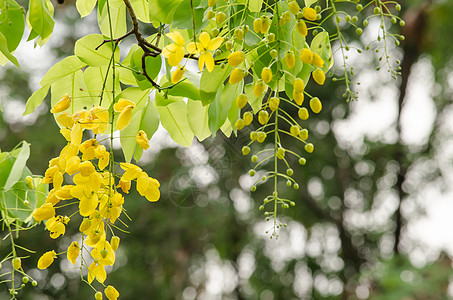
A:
[65,120]
[309,13]
[177,74]
[111,293]
[56,226]
[306,56]
[61,105]
[174,52]
[46,259]
[142,140]
[87,148]
[203,47]
[96,270]
[45,212]
[73,252]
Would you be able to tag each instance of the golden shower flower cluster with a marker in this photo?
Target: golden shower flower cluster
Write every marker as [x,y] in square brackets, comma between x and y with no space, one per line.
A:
[94,189]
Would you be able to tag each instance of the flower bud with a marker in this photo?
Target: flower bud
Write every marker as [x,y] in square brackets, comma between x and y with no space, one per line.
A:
[236,76]
[290,59]
[319,76]
[309,147]
[257,24]
[17,263]
[265,24]
[177,74]
[274,103]
[239,124]
[259,87]
[306,56]
[303,113]
[115,242]
[266,74]
[298,98]
[303,134]
[241,100]
[263,117]
[293,7]
[302,27]
[261,136]
[248,118]
[315,105]
[294,130]
[220,17]
[236,58]
[309,13]
[299,85]
[317,60]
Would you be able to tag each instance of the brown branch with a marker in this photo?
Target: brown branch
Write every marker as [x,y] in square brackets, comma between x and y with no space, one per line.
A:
[146,73]
[117,40]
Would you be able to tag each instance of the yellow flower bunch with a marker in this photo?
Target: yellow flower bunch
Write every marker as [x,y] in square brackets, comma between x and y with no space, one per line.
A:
[94,188]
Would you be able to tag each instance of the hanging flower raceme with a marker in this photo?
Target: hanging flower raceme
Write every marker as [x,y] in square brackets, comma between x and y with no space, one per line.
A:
[204,47]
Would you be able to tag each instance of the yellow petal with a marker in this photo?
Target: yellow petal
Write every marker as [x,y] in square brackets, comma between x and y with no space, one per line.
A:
[205,38]
[175,77]
[209,62]
[177,38]
[61,105]
[46,259]
[122,104]
[142,183]
[152,194]
[175,57]
[214,44]
[76,134]
[124,118]
[319,76]
[45,212]
[194,48]
[111,293]
[88,205]
[201,60]
[73,252]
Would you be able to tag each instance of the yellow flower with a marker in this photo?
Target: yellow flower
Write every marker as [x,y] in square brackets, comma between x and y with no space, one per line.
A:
[115,242]
[56,226]
[100,119]
[61,105]
[302,27]
[65,120]
[125,186]
[103,156]
[142,183]
[76,134]
[306,56]
[298,97]
[309,13]
[290,59]
[241,101]
[315,105]
[132,171]
[86,168]
[103,253]
[87,148]
[259,87]
[299,85]
[317,60]
[266,74]
[142,140]
[152,193]
[124,118]
[46,259]
[122,104]
[64,193]
[236,58]
[96,270]
[174,52]
[111,293]
[236,76]
[73,252]
[72,165]
[203,47]
[319,76]
[177,74]
[52,198]
[45,212]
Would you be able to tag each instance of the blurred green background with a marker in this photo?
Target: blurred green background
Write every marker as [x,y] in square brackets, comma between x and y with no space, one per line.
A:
[348,237]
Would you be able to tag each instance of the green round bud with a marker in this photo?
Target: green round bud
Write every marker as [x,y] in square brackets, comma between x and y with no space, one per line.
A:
[359,31]
[273,53]
[98,296]
[393,20]
[34,283]
[300,15]
[359,7]
[296,186]
[254,158]
[229,45]
[347,18]
[377,10]
[402,23]
[263,178]
[245,150]
[317,8]
[26,202]
[288,183]
[104,252]
[25,279]
[397,7]
[285,205]
[271,37]
[302,161]
[292,203]
[252,172]
[215,32]
[309,147]
[289,172]
[365,23]
[261,207]
[354,19]
[315,32]
[253,188]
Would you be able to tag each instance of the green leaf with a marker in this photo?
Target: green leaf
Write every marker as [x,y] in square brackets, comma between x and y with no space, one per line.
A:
[163,99]
[86,52]
[182,17]
[141,8]
[218,110]
[5,51]
[255,102]
[149,124]
[117,17]
[74,86]
[185,89]
[40,13]
[174,119]
[255,5]
[127,136]
[36,99]
[138,96]
[85,7]
[162,10]
[61,69]
[12,23]
[197,115]
[321,45]
[18,166]
[309,2]
[211,82]
[94,78]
